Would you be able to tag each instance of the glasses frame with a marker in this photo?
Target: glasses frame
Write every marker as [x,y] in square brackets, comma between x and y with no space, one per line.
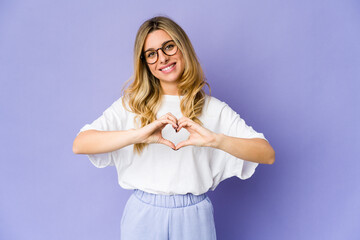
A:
[156,50]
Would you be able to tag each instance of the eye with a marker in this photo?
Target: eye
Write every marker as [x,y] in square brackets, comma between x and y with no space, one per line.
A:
[169,46]
[150,54]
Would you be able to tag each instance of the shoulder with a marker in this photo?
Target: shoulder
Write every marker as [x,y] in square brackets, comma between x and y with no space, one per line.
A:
[120,106]
[214,104]
[220,109]
[213,108]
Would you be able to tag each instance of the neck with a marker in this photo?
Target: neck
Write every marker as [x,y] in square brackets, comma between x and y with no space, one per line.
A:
[170,88]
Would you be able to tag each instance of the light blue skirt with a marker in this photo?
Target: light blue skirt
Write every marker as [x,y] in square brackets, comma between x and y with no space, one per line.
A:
[168,217]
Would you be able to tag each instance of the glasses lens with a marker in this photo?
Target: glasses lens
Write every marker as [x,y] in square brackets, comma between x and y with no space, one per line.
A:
[150,56]
[170,48]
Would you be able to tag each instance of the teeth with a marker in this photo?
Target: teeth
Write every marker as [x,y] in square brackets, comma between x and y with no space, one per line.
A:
[167,68]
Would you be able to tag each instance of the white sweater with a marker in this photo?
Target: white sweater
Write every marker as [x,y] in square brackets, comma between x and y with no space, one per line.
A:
[161,170]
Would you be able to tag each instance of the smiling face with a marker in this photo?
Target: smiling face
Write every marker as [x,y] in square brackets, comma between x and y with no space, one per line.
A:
[168,69]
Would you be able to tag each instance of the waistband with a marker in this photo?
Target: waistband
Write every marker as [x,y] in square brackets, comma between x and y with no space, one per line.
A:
[169,201]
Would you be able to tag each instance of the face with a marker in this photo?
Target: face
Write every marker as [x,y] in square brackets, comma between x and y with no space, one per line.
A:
[168,69]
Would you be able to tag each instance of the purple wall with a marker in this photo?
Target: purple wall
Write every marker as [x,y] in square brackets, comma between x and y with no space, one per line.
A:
[290,69]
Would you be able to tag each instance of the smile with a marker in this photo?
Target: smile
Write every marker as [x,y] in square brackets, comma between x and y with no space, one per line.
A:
[168,69]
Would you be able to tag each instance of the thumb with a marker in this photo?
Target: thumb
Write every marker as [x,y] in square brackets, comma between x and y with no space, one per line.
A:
[183,144]
[167,143]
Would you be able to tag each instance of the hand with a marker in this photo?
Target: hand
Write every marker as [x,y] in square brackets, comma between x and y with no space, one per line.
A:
[151,133]
[199,136]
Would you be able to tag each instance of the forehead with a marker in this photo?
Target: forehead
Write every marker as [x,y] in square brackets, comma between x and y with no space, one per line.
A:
[155,39]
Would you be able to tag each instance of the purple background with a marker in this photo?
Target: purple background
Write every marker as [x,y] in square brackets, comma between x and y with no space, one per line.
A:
[291,69]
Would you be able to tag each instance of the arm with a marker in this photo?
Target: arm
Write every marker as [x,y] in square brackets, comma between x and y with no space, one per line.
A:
[94,141]
[250,149]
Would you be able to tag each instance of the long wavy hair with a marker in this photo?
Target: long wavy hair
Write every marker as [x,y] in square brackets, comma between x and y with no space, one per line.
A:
[144,94]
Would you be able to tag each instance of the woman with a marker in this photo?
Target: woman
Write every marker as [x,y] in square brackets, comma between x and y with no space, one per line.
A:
[209,141]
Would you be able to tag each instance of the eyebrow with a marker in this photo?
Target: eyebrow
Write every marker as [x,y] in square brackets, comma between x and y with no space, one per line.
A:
[161,45]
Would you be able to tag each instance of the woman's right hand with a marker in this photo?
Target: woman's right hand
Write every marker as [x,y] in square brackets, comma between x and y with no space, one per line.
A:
[151,133]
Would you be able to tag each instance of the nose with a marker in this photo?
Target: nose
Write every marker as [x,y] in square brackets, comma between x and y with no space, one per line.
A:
[163,58]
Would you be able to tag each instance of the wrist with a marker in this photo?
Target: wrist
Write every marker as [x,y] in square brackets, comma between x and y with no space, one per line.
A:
[216,142]
[136,135]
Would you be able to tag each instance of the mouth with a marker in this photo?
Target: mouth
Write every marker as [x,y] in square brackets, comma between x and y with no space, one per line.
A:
[168,68]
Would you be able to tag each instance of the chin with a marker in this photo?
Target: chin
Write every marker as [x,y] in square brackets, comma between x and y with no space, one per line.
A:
[169,78]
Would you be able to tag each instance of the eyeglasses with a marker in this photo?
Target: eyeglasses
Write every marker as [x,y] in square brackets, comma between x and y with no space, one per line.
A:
[151,56]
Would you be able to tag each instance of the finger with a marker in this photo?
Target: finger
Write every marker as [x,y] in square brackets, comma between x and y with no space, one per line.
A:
[169,115]
[158,124]
[185,119]
[186,124]
[182,119]
[171,118]
[167,143]
[164,122]
[181,122]
[181,125]
[183,144]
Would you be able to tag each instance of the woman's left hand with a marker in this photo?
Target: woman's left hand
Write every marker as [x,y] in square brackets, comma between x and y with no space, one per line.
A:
[199,136]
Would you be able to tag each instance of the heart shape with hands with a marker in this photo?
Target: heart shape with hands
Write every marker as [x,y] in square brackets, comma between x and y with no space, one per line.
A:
[199,136]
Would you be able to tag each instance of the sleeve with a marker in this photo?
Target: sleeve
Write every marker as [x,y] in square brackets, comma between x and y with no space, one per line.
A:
[112,119]
[231,124]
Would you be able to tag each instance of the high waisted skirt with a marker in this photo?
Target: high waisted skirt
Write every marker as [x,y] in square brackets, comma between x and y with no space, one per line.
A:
[149,216]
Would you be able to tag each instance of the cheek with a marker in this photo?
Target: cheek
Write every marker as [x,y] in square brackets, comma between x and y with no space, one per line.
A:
[182,60]
[182,65]
[152,70]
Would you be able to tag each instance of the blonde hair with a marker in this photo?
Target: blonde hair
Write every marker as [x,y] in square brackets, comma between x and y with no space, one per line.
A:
[145,93]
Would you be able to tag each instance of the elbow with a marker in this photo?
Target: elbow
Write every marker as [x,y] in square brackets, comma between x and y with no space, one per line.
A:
[267,153]
[271,159]
[75,150]
[75,147]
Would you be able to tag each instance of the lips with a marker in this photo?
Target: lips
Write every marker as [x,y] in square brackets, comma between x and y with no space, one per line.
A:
[161,69]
